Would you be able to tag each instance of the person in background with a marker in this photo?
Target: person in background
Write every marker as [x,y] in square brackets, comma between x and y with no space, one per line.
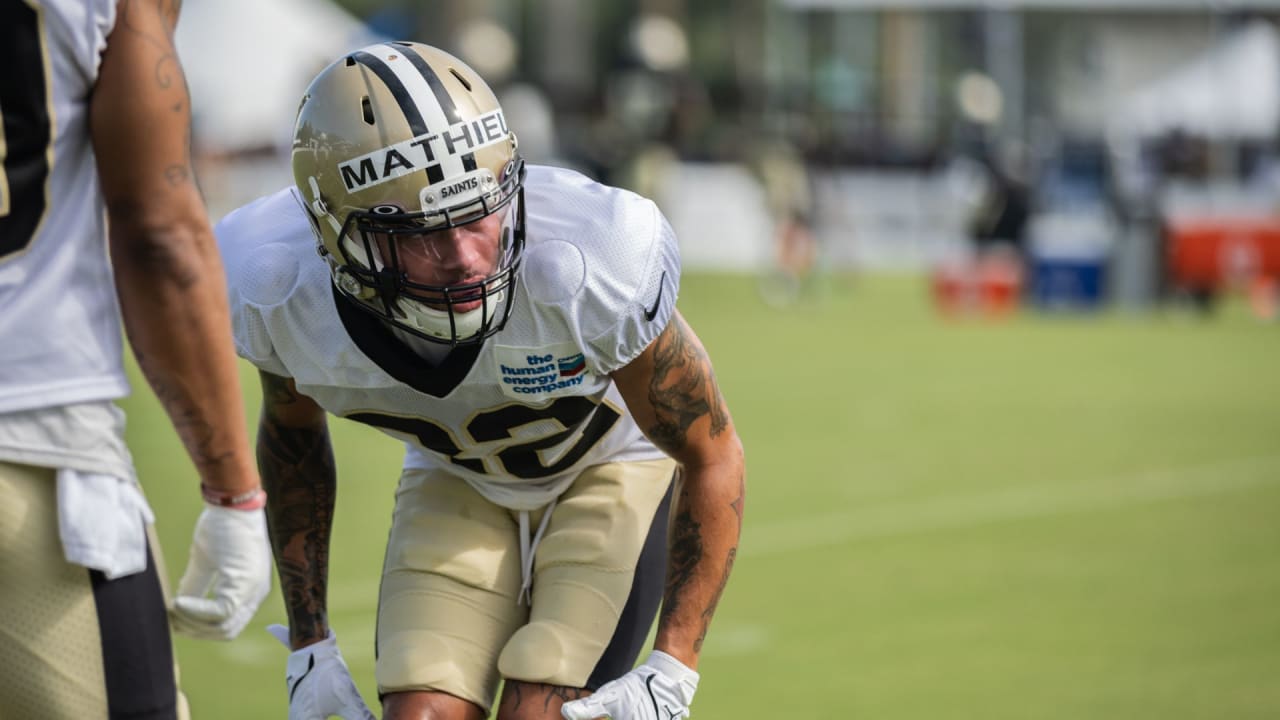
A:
[780,169]
[101,222]
[516,328]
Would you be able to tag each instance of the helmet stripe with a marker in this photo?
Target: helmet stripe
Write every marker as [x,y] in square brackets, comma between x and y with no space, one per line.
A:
[420,96]
[397,88]
[442,96]
[412,114]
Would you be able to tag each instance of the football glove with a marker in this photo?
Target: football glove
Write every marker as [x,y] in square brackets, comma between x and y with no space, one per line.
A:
[319,682]
[228,574]
[660,689]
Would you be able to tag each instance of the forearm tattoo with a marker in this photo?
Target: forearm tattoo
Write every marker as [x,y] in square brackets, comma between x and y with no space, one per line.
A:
[300,477]
[684,553]
[710,610]
[683,388]
[739,504]
[197,435]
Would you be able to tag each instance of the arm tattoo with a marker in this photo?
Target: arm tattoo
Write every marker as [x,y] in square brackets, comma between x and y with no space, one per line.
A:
[177,175]
[715,599]
[159,256]
[738,506]
[166,67]
[684,555]
[197,435]
[277,390]
[739,503]
[683,388]
[300,478]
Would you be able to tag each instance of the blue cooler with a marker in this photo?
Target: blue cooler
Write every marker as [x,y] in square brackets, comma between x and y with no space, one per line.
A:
[1067,260]
[1065,283]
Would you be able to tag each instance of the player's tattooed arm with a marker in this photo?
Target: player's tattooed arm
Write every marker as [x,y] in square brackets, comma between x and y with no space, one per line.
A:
[168,272]
[671,391]
[682,389]
[296,461]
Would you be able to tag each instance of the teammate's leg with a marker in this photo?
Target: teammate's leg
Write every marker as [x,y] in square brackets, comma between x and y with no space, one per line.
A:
[72,643]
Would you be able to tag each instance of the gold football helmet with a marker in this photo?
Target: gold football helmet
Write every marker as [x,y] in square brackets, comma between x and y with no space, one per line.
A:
[394,142]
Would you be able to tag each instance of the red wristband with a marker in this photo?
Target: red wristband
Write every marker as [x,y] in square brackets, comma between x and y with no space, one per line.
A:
[254,499]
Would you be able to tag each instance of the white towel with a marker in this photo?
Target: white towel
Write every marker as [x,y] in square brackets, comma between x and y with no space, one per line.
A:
[103,520]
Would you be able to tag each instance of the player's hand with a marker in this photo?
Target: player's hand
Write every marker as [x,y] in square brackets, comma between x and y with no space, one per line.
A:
[228,574]
[319,682]
[660,689]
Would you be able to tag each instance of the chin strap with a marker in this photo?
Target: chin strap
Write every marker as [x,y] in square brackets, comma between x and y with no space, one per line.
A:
[319,208]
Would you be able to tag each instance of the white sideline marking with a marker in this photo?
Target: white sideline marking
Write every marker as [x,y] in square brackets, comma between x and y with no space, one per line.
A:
[730,640]
[256,647]
[964,511]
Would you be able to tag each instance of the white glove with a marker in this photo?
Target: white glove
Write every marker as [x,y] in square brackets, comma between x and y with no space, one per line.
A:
[228,574]
[319,682]
[660,689]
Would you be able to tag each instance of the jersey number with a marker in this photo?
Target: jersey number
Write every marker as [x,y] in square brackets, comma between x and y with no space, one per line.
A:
[25,128]
[522,460]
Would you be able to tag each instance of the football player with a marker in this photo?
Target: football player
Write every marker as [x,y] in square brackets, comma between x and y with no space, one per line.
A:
[516,328]
[94,121]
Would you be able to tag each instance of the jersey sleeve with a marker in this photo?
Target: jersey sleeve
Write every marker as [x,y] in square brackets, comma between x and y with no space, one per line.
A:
[253,343]
[649,297]
[259,276]
[77,33]
[100,20]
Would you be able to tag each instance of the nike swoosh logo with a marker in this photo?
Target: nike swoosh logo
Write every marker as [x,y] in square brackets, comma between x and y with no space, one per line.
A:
[311,665]
[652,312]
[648,682]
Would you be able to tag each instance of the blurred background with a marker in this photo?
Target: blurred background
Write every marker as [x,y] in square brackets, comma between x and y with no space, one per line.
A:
[991,288]
[1122,152]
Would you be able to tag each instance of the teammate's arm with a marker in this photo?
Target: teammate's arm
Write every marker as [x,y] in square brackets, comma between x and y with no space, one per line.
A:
[173,301]
[298,471]
[168,273]
[672,393]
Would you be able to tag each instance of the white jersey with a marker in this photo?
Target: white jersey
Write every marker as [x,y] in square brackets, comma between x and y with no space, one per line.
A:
[519,416]
[60,340]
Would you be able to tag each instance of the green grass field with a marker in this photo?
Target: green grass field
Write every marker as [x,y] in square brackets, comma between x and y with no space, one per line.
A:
[1048,517]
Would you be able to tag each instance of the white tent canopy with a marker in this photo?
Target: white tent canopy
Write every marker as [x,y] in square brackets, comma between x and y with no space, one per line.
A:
[1231,91]
[248,63]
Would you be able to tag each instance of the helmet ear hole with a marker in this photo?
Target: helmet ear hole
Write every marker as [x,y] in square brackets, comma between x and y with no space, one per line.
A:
[465,83]
[366,108]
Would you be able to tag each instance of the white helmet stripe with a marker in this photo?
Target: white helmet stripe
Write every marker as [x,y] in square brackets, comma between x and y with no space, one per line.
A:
[407,106]
[444,98]
[397,88]
[418,89]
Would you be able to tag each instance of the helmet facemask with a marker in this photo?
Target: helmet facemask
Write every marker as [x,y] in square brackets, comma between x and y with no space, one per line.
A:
[380,248]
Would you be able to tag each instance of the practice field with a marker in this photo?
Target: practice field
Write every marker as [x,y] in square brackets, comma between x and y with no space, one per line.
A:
[1049,517]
